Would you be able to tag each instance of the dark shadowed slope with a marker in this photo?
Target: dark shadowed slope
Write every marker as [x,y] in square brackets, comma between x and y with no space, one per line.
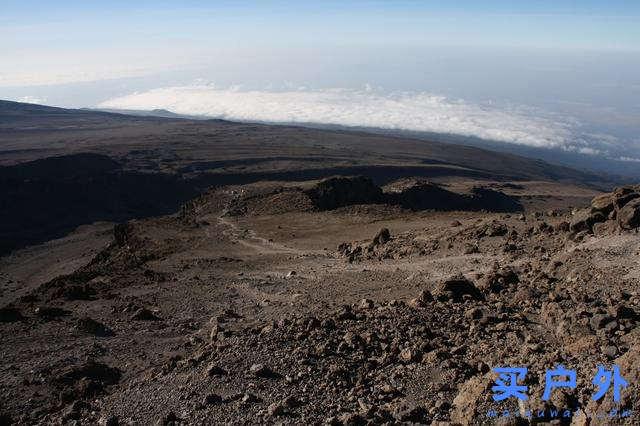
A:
[49,198]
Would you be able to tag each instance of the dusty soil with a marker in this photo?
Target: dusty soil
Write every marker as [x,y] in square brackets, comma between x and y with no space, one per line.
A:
[220,315]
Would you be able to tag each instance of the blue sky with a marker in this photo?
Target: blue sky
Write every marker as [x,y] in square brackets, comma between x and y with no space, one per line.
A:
[594,24]
[45,42]
[564,72]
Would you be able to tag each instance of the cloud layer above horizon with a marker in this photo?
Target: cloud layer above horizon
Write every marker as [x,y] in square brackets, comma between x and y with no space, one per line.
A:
[358,108]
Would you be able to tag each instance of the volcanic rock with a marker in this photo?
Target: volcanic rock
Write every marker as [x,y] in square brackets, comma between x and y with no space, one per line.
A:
[91,370]
[598,321]
[604,203]
[276,409]
[89,325]
[629,215]
[496,281]
[382,237]
[249,398]
[563,226]
[584,220]
[212,399]
[144,314]
[260,370]
[422,300]
[215,370]
[366,304]
[455,288]
[337,192]
[109,421]
[602,229]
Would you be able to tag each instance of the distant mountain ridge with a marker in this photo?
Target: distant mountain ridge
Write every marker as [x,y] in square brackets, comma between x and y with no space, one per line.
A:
[163,141]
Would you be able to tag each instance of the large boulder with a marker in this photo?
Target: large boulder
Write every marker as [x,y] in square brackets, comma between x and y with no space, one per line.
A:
[626,190]
[456,287]
[604,203]
[629,215]
[584,219]
[605,228]
[621,205]
[623,200]
[498,280]
[624,195]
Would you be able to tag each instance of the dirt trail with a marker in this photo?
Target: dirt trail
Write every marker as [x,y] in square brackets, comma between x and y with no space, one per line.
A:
[250,239]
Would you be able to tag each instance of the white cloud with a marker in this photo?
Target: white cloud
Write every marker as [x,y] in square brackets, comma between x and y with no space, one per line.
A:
[588,151]
[366,108]
[629,159]
[31,100]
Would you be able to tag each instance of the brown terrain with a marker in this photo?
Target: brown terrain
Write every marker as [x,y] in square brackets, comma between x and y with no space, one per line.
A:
[169,271]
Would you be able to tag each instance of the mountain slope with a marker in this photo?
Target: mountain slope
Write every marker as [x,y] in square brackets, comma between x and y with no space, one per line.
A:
[29,132]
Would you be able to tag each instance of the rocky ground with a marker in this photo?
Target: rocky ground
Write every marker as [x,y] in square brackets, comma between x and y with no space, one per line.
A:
[333,302]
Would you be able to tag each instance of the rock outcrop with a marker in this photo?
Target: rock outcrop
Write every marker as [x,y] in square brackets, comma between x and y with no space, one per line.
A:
[619,209]
[338,192]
